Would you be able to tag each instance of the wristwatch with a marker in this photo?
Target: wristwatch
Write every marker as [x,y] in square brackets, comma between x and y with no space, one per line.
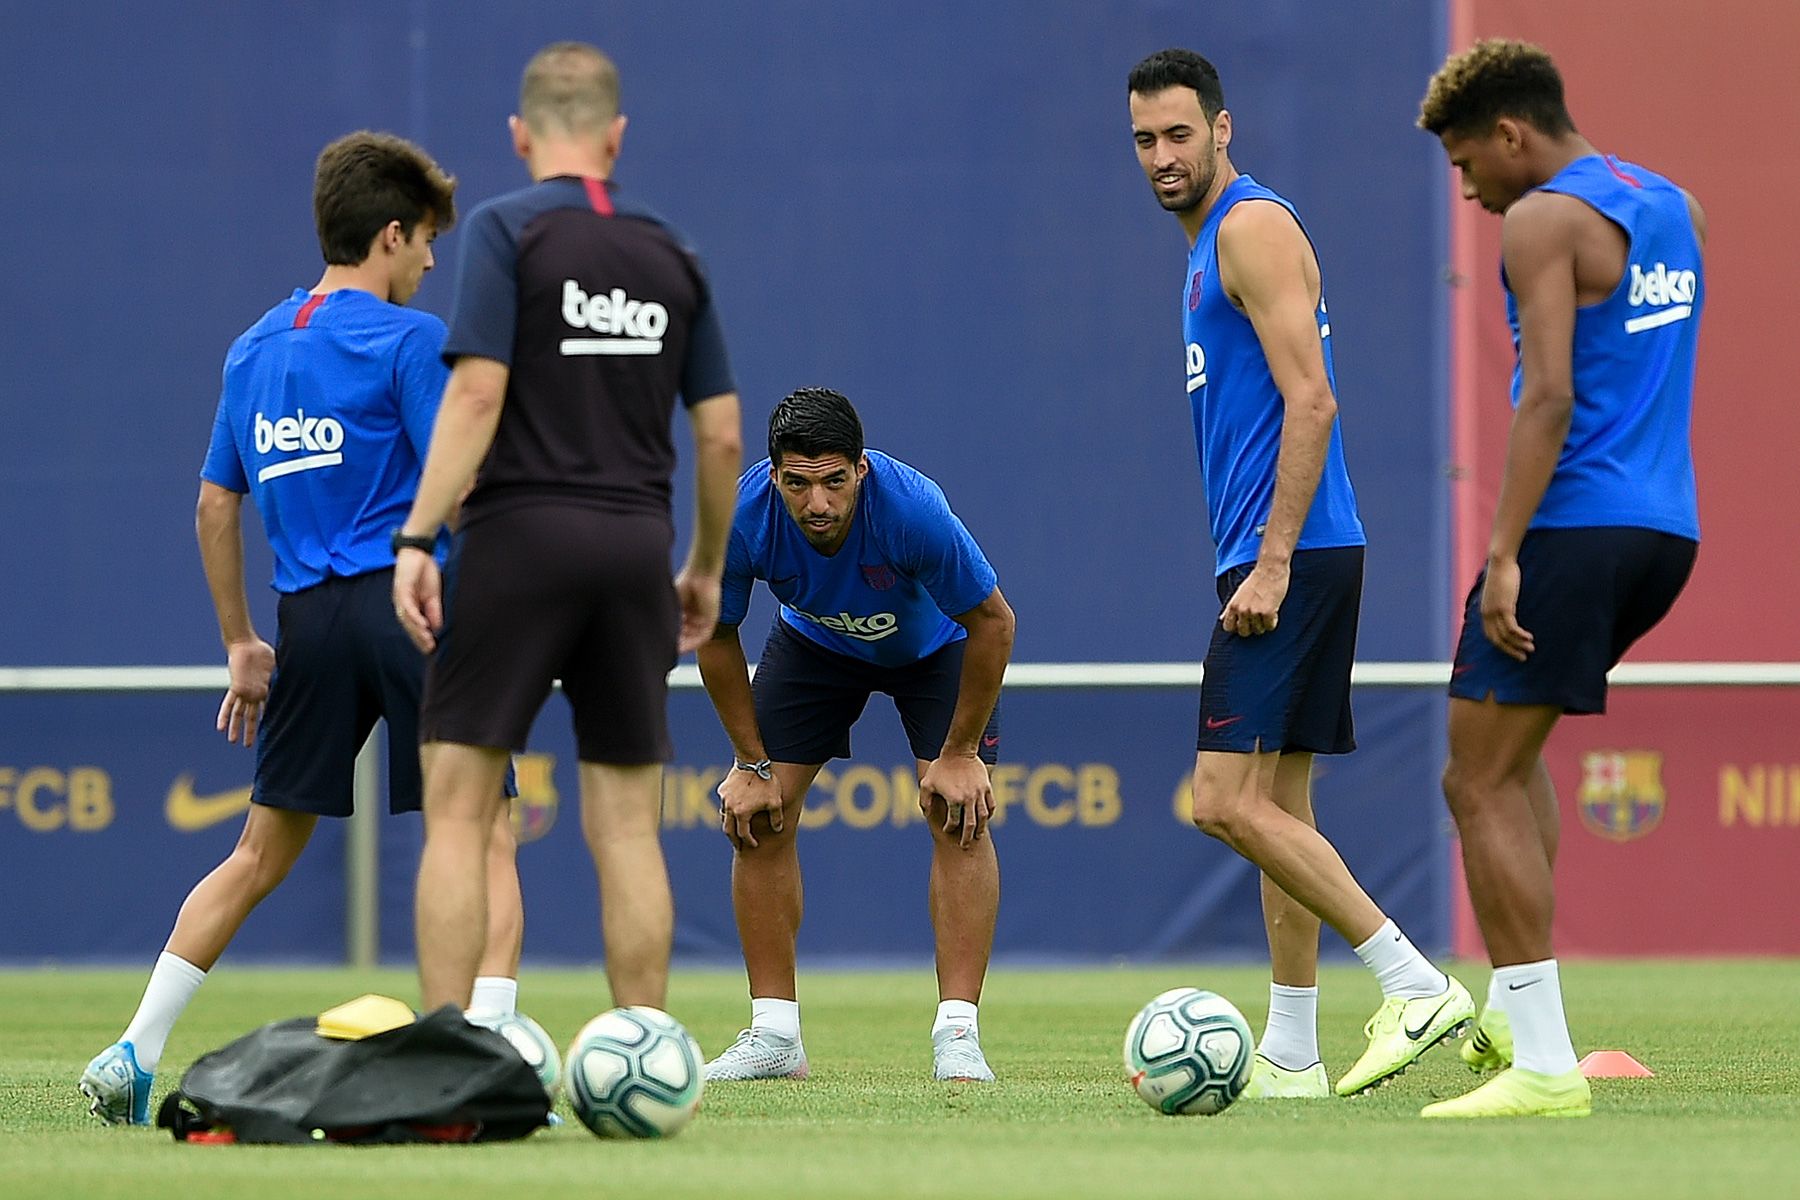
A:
[405,541]
[758,769]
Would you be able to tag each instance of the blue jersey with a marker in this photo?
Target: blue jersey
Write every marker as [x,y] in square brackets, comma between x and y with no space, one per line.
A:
[1238,409]
[886,597]
[1627,459]
[324,417]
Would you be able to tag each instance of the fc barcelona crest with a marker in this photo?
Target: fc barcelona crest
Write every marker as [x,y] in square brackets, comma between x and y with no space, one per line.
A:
[1621,793]
[534,809]
[880,576]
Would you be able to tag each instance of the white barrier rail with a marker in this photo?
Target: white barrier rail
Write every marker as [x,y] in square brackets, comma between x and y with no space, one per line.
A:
[1025,675]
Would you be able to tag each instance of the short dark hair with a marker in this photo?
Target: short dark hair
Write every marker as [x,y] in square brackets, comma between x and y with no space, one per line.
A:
[815,421]
[1493,79]
[569,85]
[1180,68]
[365,180]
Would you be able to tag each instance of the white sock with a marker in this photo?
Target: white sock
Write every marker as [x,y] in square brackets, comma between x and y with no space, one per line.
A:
[1535,1008]
[173,982]
[956,1012]
[1399,967]
[780,1017]
[1496,1000]
[495,994]
[1291,1038]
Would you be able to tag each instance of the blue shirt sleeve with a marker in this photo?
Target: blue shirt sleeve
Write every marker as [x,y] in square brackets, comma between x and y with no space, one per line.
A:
[223,466]
[486,303]
[419,379]
[734,591]
[707,371]
[938,550]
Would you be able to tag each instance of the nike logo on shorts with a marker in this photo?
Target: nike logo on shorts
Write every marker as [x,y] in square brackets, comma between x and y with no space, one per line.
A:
[1221,722]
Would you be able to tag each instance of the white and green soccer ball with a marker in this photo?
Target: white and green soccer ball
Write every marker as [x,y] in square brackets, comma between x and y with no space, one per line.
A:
[1187,1053]
[634,1073]
[528,1038]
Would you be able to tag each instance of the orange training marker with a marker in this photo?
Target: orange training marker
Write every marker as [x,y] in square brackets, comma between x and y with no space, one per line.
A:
[1613,1064]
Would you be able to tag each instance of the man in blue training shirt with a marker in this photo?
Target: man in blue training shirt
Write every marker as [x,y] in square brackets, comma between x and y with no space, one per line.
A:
[1597,524]
[326,409]
[1290,552]
[882,590]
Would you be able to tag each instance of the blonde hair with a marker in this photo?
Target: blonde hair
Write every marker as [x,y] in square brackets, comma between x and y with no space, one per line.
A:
[570,87]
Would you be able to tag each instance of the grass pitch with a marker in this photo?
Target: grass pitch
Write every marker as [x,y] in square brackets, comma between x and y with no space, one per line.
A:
[1721,1118]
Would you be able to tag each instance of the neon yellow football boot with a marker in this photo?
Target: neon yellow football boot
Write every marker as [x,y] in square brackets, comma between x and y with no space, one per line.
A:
[1490,1047]
[1271,1082]
[1516,1092]
[1401,1030]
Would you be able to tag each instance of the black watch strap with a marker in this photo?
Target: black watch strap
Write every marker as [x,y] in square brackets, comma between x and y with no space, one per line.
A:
[405,541]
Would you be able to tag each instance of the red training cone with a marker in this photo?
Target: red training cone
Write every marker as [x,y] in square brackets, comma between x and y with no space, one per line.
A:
[1613,1064]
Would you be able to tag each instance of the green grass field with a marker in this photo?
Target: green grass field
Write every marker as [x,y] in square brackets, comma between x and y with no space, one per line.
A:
[1722,1117]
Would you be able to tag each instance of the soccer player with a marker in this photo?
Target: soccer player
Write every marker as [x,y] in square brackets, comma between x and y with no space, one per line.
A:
[1290,557]
[882,590]
[579,315]
[1596,528]
[325,412]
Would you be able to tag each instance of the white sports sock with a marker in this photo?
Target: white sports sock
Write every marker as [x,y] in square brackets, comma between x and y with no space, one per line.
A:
[1535,1008]
[1496,1000]
[780,1017]
[173,982]
[955,1012]
[1399,967]
[1291,1037]
[494,994]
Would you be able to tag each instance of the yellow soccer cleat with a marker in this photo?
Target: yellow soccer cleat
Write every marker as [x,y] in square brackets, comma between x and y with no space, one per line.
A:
[1401,1030]
[1271,1082]
[1490,1047]
[1516,1092]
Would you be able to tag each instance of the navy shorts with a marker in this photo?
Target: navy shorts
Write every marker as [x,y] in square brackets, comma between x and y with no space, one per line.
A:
[808,697]
[1585,595]
[341,661]
[1288,689]
[549,591]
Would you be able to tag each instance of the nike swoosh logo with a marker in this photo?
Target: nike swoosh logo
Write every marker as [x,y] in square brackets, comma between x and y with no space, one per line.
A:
[190,813]
[1518,987]
[1415,1034]
[783,582]
[990,740]
[1221,722]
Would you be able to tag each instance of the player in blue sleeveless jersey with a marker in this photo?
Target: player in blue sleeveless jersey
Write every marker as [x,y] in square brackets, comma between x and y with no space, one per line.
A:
[1290,549]
[882,589]
[326,409]
[1596,527]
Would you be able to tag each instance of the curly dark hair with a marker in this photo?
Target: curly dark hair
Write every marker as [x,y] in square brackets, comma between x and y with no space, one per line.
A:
[1493,79]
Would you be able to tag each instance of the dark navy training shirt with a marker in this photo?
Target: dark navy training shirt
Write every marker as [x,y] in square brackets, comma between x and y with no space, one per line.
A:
[324,417]
[603,315]
[886,597]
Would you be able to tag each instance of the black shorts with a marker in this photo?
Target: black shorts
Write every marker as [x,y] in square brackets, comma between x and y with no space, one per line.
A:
[1585,595]
[1288,689]
[341,661]
[543,592]
[808,697]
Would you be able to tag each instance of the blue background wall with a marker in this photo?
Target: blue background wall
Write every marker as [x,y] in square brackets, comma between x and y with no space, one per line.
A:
[934,207]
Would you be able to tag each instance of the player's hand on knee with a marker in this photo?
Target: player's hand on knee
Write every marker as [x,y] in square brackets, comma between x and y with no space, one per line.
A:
[961,781]
[251,664]
[1500,609]
[742,795]
[1255,607]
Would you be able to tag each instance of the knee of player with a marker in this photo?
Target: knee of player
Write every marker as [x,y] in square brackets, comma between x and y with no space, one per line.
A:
[1216,811]
[264,867]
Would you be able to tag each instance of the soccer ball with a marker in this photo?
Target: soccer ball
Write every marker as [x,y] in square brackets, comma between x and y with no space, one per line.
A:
[533,1044]
[634,1072]
[1188,1053]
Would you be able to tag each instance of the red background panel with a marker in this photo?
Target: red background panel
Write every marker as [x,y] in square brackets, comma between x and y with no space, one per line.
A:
[1703,94]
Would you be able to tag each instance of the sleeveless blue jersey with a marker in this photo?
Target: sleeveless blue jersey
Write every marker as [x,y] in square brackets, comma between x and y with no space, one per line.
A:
[324,417]
[886,597]
[1627,459]
[1238,409]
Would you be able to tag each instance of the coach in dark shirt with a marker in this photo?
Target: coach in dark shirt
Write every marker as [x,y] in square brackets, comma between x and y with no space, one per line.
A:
[579,317]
